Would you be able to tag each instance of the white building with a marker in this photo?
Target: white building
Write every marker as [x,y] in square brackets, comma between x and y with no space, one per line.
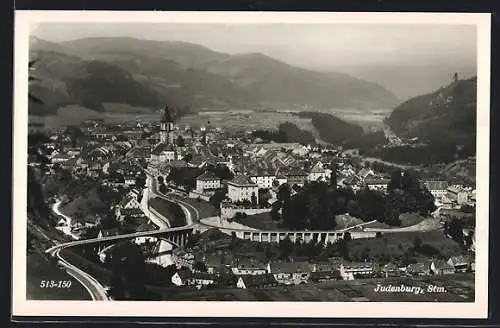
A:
[457,195]
[207,181]
[263,179]
[242,188]
[349,271]
[243,267]
[379,184]
[437,188]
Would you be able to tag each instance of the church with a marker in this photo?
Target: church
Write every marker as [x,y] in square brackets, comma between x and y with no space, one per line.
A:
[166,150]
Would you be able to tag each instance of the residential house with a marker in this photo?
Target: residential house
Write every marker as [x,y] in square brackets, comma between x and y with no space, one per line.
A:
[377,183]
[290,273]
[129,180]
[419,269]
[189,278]
[164,153]
[318,173]
[321,276]
[242,188]
[437,188]
[262,178]
[296,177]
[207,181]
[248,267]
[457,194]
[390,270]
[103,233]
[256,281]
[129,202]
[352,270]
[183,259]
[460,263]
[365,173]
[217,263]
[441,267]
[124,214]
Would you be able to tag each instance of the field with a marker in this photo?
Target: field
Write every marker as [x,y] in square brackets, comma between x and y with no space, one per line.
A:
[458,288]
[40,268]
[397,245]
[262,221]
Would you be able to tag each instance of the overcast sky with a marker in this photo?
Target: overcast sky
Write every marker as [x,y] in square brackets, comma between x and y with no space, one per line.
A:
[302,44]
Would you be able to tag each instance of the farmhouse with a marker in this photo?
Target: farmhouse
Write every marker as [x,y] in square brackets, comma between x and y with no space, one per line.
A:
[256,281]
[290,272]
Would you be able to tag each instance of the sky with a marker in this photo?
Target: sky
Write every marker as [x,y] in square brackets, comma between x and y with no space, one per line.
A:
[305,44]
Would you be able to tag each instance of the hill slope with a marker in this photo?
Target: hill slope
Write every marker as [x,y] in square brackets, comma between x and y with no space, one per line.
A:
[444,119]
[145,73]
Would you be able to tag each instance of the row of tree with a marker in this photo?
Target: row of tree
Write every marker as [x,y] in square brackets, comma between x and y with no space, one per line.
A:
[315,206]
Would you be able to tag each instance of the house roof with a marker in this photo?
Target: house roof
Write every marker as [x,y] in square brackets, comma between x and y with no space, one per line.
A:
[418,267]
[188,275]
[358,265]
[459,260]
[258,280]
[246,264]
[318,168]
[365,172]
[441,264]
[436,185]
[289,267]
[207,176]
[161,147]
[333,274]
[110,232]
[125,200]
[376,181]
[241,180]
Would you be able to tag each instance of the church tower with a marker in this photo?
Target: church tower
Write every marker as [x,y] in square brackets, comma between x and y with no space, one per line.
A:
[166,126]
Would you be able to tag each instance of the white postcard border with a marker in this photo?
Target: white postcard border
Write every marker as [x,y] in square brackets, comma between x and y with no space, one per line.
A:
[24,22]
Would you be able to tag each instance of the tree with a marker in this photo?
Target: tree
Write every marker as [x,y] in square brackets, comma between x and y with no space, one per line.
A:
[200,266]
[140,181]
[275,215]
[217,198]
[254,199]
[188,158]
[180,141]
[455,229]
[284,192]
[286,247]
[395,181]
[333,177]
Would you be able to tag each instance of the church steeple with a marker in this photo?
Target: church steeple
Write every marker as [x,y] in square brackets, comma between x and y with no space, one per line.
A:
[166,125]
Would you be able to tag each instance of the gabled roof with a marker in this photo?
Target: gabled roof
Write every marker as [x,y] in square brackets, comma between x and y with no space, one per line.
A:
[258,280]
[207,176]
[241,180]
[290,267]
[436,185]
[161,147]
[459,260]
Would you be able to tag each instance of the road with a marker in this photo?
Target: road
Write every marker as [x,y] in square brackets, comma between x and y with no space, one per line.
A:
[95,289]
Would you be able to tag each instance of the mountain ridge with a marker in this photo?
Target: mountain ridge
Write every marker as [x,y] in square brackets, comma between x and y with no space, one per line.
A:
[188,74]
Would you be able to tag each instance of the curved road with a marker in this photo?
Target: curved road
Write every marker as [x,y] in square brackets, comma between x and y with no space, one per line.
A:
[96,290]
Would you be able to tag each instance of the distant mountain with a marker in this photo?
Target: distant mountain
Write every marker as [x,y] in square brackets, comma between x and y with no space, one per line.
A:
[93,71]
[407,80]
[446,117]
